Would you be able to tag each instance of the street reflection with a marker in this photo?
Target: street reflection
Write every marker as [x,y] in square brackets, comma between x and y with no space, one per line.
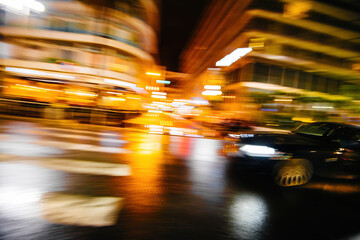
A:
[17,202]
[180,146]
[249,213]
[339,188]
[206,169]
[22,186]
[144,185]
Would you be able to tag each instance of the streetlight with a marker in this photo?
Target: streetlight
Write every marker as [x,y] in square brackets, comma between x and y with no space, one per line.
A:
[23,6]
[153,73]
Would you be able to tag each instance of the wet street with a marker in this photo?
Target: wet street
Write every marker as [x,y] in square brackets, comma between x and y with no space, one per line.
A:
[58,183]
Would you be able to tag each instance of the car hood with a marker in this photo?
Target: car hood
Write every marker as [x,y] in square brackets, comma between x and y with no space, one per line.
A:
[280,140]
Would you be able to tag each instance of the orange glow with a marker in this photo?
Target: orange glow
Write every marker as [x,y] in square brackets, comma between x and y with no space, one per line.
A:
[144,188]
[153,73]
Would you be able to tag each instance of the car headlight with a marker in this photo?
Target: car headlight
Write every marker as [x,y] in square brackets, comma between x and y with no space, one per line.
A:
[265,151]
[258,150]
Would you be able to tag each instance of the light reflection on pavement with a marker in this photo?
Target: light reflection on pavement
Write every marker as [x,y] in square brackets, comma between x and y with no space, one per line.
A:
[154,187]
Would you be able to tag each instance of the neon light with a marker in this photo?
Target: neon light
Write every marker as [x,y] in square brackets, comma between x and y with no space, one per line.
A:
[158,96]
[81,93]
[322,107]
[120,83]
[116,99]
[212,87]
[36,72]
[233,57]
[211,93]
[159,93]
[163,81]
[153,74]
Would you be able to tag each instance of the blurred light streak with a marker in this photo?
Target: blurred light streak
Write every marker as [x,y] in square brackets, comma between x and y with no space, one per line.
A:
[334,187]
[180,100]
[36,72]
[153,74]
[155,111]
[211,93]
[120,83]
[20,5]
[115,93]
[152,88]
[158,96]
[163,81]
[33,5]
[134,98]
[79,93]
[176,131]
[212,87]
[115,98]
[323,107]
[233,57]
[13,5]
[268,86]
[159,93]
[199,102]
[282,100]
[156,129]
[269,109]
[303,119]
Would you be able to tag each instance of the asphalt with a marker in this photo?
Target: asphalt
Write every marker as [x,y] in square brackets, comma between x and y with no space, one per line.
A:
[58,182]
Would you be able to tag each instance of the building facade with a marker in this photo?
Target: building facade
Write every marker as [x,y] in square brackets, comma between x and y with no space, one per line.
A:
[297,46]
[75,43]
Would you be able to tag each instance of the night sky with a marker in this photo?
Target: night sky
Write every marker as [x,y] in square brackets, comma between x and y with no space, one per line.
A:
[178,21]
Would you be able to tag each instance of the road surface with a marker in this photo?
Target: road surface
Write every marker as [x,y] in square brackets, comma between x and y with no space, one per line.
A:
[58,183]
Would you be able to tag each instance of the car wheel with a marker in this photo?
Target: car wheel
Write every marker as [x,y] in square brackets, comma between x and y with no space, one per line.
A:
[294,172]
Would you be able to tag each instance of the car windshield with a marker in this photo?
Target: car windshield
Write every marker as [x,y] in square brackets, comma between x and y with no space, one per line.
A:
[315,129]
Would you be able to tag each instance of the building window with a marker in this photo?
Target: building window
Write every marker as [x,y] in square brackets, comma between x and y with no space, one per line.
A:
[332,86]
[261,72]
[315,83]
[289,77]
[303,79]
[275,74]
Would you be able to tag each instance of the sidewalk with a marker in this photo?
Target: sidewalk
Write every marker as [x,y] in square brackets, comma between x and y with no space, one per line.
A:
[73,124]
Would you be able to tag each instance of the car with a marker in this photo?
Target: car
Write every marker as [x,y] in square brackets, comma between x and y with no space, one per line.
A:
[321,148]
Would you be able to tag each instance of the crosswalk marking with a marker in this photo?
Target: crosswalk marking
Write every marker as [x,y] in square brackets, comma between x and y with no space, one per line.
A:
[81,210]
[19,143]
[79,131]
[34,147]
[78,137]
[85,167]
[81,146]
[73,165]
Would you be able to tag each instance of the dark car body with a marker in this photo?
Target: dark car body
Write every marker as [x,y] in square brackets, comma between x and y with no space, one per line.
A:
[325,148]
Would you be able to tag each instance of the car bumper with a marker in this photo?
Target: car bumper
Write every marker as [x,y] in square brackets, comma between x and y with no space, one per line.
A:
[252,164]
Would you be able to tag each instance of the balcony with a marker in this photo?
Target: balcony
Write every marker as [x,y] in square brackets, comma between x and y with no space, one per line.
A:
[72,36]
